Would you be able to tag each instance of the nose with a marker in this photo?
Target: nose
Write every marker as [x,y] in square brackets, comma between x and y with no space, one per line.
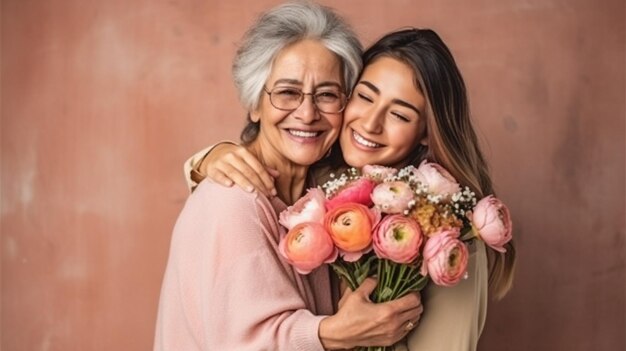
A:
[371,121]
[307,112]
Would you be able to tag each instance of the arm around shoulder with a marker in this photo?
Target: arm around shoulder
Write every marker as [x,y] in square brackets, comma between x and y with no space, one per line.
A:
[190,168]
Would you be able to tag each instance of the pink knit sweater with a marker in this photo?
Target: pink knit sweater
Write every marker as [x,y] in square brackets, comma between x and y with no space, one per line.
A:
[226,286]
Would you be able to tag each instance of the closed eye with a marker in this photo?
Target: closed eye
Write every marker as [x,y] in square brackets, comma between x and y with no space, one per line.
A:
[364,97]
[401,117]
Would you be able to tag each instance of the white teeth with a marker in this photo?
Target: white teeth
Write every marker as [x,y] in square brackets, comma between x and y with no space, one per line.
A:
[302,134]
[359,139]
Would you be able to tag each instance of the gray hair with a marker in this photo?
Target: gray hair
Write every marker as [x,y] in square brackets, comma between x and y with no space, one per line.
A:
[277,29]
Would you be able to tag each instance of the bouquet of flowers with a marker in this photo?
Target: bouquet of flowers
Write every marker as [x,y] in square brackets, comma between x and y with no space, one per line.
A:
[407,227]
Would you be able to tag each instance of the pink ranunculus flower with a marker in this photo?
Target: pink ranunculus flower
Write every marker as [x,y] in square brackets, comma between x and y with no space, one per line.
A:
[379,173]
[398,238]
[392,197]
[358,192]
[307,246]
[309,208]
[445,258]
[491,221]
[438,180]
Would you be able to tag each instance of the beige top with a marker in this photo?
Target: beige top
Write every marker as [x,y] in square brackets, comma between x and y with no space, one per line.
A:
[453,318]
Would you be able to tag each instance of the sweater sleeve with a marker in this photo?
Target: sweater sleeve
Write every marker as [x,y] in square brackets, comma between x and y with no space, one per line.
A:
[454,317]
[226,287]
[190,165]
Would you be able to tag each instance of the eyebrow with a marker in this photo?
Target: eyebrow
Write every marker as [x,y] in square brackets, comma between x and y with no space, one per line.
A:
[395,101]
[297,82]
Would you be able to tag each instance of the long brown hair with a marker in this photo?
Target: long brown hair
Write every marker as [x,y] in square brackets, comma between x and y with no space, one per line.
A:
[452,141]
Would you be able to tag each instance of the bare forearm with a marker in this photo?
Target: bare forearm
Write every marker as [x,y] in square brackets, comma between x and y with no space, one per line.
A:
[330,335]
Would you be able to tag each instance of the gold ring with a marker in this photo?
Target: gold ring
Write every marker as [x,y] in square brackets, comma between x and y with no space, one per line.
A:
[409,326]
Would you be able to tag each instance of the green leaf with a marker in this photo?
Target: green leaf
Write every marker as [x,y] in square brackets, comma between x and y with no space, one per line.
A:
[421,283]
[344,274]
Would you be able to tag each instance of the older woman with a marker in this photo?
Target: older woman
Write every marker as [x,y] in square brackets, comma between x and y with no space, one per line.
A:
[226,287]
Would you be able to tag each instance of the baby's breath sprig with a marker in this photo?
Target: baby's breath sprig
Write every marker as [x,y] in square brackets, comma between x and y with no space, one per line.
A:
[407,172]
[334,185]
[463,202]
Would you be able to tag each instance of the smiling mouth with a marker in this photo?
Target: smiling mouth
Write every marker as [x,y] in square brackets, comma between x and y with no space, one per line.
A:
[303,134]
[364,142]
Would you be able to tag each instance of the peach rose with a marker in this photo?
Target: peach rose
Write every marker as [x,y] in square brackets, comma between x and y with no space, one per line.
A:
[309,208]
[445,258]
[398,238]
[392,197]
[358,191]
[307,246]
[438,180]
[350,226]
[491,221]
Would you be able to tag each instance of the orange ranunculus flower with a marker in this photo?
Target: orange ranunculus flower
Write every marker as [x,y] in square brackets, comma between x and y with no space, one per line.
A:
[350,226]
[307,246]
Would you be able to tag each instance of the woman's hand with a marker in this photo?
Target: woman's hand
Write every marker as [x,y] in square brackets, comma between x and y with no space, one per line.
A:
[360,322]
[229,164]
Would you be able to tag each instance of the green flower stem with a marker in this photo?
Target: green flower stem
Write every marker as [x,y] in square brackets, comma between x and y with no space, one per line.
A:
[394,281]
[346,273]
[400,279]
[379,272]
[410,280]
[383,281]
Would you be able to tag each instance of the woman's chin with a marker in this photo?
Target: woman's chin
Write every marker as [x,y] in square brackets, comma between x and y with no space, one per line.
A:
[304,160]
[355,161]
[356,157]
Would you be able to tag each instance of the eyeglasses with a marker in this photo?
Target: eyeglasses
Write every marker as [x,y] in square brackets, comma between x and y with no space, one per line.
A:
[327,99]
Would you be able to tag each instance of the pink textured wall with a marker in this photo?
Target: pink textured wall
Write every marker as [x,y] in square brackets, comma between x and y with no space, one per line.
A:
[103,100]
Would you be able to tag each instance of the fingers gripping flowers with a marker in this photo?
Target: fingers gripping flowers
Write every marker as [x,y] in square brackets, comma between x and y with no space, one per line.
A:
[416,220]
